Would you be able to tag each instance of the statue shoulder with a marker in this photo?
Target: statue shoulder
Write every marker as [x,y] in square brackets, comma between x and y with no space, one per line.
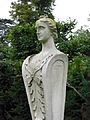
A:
[26,68]
[60,54]
[26,61]
[56,56]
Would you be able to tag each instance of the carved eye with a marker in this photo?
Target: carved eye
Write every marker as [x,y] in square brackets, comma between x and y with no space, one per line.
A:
[41,27]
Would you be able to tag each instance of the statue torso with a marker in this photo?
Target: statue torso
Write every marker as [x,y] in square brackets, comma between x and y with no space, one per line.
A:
[33,76]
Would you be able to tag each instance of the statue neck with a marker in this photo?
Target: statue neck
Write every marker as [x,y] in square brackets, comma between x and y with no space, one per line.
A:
[48,46]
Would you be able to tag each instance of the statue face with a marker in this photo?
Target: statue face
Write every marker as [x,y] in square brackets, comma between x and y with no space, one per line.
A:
[43,32]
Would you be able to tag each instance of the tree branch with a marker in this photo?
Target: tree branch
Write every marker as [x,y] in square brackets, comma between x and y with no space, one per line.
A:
[70,86]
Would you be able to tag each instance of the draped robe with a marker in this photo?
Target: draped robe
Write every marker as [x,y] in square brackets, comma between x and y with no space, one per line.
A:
[45,85]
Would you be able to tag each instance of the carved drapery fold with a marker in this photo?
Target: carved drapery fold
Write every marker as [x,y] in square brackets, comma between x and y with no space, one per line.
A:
[33,80]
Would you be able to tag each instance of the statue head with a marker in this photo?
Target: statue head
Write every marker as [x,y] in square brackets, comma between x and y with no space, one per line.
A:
[50,23]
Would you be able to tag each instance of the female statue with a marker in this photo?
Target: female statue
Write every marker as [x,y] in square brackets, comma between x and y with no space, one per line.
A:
[45,75]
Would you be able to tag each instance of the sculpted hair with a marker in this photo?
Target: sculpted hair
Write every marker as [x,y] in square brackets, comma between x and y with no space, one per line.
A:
[50,23]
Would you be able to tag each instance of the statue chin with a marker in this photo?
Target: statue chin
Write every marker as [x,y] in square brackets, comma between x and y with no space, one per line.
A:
[42,40]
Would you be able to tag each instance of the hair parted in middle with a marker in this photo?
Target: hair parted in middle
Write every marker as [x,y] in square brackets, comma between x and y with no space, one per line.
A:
[50,23]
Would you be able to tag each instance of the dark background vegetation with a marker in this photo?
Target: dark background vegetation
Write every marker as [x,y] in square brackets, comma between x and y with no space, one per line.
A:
[18,40]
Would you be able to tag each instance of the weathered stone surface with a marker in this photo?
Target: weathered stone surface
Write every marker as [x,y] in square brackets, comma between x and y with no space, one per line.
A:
[45,75]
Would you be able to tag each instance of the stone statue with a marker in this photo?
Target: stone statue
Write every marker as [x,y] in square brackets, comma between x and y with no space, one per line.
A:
[45,75]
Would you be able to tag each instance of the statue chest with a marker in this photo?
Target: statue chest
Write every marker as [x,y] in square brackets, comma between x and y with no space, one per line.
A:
[37,62]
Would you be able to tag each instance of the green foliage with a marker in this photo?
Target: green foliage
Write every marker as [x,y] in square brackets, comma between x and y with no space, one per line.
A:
[24,40]
[77,45]
[78,76]
[4,51]
[5,24]
[64,30]
[5,83]
[13,100]
[28,11]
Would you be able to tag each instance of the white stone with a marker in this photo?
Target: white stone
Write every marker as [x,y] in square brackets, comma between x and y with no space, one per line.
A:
[45,75]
